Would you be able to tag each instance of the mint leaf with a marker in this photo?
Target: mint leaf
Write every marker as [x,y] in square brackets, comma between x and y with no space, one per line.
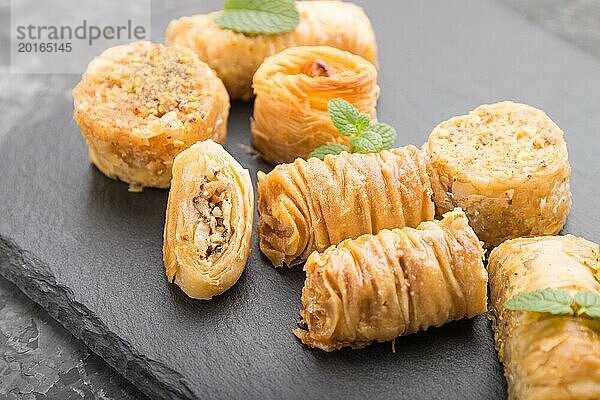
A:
[258,16]
[386,132]
[364,138]
[549,300]
[362,122]
[367,141]
[361,144]
[347,120]
[321,152]
[588,302]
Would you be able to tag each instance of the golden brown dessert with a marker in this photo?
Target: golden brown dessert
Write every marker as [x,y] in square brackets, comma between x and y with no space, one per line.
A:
[506,165]
[310,205]
[236,56]
[209,221]
[546,356]
[140,104]
[292,90]
[378,287]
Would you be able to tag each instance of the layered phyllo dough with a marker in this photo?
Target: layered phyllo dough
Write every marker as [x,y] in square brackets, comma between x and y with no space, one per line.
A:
[209,221]
[140,104]
[292,90]
[236,56]
[506,166]
[309,205]
[378,287]
[546,356]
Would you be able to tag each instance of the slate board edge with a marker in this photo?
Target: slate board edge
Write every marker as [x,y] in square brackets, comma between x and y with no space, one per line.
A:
[33,277]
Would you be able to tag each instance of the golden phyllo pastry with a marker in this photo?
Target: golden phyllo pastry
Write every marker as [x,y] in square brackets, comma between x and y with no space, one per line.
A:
[309,205]
[546,356]
[209,221]
[378,287]
[140,104]
[506,165]
[236,56]
[292,90]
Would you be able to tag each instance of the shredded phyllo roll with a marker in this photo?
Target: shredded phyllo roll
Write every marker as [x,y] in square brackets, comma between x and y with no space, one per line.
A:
[140,104]
[506,165]
[378,287]
[546,356]
[236,56]
[292,89]
[209,221]
[310,205]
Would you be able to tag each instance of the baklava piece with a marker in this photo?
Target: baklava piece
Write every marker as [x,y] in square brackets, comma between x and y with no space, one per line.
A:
[140,104]
[506,165]
[209,221]
[292,90]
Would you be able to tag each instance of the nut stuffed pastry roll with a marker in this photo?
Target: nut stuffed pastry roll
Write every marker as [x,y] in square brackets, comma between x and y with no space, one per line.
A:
[506,165]
[209,221]
[292,89]
[546,356]
[378,287]
[310,205]
[138,105]
[236,56]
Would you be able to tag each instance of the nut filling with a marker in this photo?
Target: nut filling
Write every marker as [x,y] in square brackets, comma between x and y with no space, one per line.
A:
[317,67]
[213,206]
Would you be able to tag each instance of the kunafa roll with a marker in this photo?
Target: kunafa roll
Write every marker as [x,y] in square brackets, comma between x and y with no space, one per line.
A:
[209,221]
[292,90]
[140,104]
[309,205]
[236,56]
[378,287]
[546,356]
[506,165]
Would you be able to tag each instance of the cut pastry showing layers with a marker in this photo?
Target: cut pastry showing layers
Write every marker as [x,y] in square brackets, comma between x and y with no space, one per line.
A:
[236,56]
[140,104]
[378,287]
[506,165]
[546,356]
[292,91]
[209,221]
[309,205]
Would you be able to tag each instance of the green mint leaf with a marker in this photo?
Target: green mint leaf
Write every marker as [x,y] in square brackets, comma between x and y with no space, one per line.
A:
[367,141]
[549,300]
[386,132]
[362,122]
[347,120]
[321,152]
[589,303]
[361,144]
[255,17]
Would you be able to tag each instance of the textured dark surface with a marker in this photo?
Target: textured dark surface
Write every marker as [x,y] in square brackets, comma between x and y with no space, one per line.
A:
[104,243]
[42,361]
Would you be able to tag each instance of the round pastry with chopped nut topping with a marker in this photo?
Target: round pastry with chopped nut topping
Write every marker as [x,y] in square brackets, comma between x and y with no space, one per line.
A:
[506,165]
[140,104]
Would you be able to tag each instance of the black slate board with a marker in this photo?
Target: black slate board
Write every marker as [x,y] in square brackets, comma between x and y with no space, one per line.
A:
[90,252]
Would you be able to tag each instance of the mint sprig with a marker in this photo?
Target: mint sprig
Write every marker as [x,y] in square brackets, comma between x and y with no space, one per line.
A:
[364,137]
[346,119]
[254,17]
[557,301]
